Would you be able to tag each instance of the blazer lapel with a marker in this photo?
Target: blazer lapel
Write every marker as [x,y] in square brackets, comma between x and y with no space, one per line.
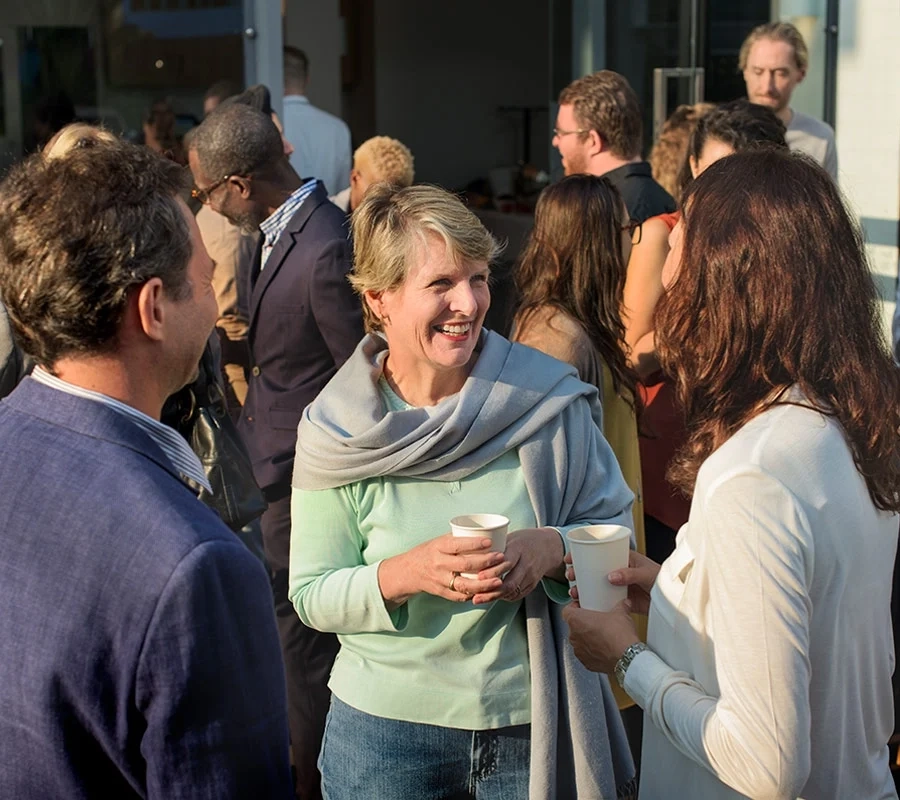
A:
[265,275]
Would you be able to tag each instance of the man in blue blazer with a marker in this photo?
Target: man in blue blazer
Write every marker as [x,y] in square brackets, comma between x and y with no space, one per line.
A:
[305,321]
[138,650]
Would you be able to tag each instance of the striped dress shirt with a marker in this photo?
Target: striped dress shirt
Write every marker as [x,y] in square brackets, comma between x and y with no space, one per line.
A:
[274,226]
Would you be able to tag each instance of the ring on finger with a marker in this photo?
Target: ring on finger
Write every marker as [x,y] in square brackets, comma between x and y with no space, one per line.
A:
[453,577]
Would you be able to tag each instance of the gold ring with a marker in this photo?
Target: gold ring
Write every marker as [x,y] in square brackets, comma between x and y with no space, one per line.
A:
[453,578]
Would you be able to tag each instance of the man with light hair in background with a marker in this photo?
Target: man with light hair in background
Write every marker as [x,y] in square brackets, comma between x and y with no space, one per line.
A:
[599,131]
[773,60]
[380,159]
[320,140]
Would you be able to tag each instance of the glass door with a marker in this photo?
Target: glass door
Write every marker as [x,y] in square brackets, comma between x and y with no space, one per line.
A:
[110,61]
[679,51]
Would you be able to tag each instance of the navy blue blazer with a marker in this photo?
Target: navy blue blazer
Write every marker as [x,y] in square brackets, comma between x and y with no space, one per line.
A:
[138,649]
[305,321]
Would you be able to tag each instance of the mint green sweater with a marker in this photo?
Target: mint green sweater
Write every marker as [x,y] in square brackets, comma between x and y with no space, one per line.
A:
[432,660]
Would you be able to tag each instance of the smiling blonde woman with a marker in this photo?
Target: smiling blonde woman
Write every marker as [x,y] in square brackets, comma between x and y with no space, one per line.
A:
[448,686]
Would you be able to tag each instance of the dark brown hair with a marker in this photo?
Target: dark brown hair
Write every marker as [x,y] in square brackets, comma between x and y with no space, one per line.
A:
[77,233]
[160,118]
[740,124]
[774,290]
[605,102]
[573,261]
[296,67]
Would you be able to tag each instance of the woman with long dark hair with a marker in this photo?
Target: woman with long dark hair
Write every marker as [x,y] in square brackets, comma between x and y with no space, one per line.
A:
[730,128]
[767,669]
[570,279]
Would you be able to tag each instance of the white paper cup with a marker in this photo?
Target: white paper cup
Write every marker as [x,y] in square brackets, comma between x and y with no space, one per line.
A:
[478,526]
[596,551]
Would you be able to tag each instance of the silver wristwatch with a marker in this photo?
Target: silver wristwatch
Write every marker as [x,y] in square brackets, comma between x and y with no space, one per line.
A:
[625,661]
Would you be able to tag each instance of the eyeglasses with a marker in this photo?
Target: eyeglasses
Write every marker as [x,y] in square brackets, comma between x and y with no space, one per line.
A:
[560,133]
[203,194]
[634,229]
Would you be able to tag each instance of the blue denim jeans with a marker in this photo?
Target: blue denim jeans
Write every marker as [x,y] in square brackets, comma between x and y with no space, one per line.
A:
[364,756]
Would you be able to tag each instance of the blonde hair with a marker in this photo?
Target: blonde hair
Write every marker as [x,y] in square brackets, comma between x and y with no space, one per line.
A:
[670,149]
[392,225]
[78,134]
[390,160]
[777,32]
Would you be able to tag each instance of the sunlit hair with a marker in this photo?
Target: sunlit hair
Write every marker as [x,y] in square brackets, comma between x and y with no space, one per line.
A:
[573,261]
[392,226]
[774,290]
[605,102]
[389,160]
[670,149]
[78,134]
[81,225]
[777,32]
[740,124]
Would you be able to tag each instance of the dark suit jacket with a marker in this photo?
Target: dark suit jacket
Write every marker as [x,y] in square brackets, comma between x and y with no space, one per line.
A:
[305,321]
[138,648]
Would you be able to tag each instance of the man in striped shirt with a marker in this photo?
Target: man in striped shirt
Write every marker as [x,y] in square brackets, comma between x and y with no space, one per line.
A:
[138,649]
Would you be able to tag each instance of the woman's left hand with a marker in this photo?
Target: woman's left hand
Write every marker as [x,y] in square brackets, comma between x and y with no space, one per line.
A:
[531,554]
[599,639]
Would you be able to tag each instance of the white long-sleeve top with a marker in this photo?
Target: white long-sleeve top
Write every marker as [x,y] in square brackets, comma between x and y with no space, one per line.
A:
[770,631]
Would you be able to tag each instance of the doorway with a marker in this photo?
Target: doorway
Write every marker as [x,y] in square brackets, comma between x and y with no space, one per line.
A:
[694,42]
[107,61]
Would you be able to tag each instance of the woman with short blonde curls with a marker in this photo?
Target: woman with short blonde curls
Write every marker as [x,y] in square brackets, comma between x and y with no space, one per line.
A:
[767,669]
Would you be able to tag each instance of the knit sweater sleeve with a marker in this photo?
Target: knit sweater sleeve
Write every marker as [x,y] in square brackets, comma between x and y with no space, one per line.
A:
[753,733]
[330,585]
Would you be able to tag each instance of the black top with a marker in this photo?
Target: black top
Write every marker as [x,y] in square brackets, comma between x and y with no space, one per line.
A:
[643,196]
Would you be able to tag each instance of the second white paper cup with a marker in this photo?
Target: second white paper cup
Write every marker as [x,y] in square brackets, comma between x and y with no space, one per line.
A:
[470,526]
[596,551]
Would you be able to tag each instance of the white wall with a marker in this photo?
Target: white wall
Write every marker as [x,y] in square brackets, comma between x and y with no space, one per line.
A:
[442,69]
[316,27]
[868,128]
[809,17]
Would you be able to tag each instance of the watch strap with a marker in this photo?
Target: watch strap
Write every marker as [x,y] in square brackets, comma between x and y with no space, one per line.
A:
[625,661]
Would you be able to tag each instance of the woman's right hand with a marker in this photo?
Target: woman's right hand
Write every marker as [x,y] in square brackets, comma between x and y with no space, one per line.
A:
[435,566]
[639,577]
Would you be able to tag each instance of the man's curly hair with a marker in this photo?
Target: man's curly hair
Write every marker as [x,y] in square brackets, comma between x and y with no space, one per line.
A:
[605,102]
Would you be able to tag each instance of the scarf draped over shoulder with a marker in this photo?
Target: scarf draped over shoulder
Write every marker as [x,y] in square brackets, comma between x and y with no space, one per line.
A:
[348,434]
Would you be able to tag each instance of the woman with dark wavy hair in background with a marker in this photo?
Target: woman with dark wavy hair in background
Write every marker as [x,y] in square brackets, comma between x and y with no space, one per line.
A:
[569,280]
[768,671]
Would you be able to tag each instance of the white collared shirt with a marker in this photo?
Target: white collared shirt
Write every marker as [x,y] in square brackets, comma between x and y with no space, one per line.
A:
[321,143]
